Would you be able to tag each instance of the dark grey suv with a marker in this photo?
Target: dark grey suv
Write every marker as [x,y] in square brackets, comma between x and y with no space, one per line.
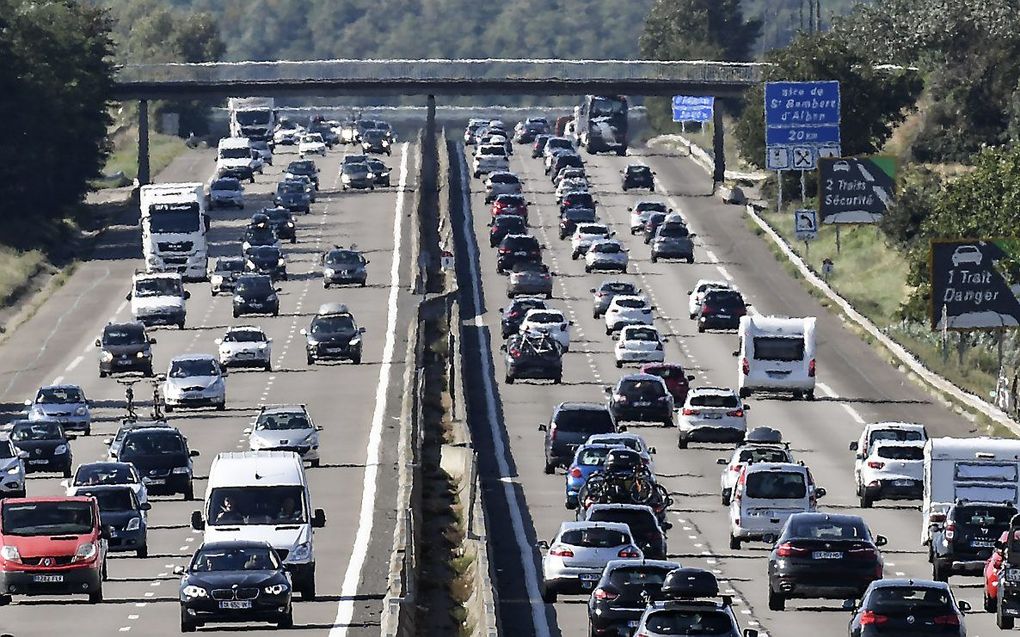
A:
[569,427]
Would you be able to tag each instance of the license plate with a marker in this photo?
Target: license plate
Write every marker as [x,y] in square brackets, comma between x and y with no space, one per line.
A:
[34,462]
[255,304]
[902,483]
[641,403]
[520,253]
[334,350]
[984,544]
[827,555]
[236,603]
[153,480]
[713,416]
[722,316]
[42,579]
[590,577]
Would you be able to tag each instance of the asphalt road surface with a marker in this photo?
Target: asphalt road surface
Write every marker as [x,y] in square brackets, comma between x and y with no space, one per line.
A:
[358,406]
[855,386]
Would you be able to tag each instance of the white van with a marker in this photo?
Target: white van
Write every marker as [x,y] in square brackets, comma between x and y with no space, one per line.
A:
[235,157]
[263,496]
[776,355]
[967,469]
[765,496]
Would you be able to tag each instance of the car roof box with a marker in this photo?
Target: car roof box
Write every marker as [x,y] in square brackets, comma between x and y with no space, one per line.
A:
[689,583]
[765,435]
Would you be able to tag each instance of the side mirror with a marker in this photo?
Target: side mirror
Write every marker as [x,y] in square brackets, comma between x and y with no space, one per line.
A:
[318,519]
[187,295]
[543,427]
[963,605]
[850,604]
[144,506]
[820,492]
[106,532]
[178,570]
[318,427]
[592,290]
[621,428]
[224,371]
[278,289]
[304,332]
[152,341]
[690,377]
[247,430]
[542,544]
[722,461]
[692,235]
[193,453]
[853,446]
[197,522]
[361,330]
[218,341]
[99,343]
[71,437]
[502,347]
[881,540]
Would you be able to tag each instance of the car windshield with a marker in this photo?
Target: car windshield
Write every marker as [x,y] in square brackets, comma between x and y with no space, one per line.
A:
[516,201]
[779,348]
[834,529]
[545,317]
[260,235]
[306,167]
[607,248]
[158,287]
[247,558]
[776,485]
[521,243]
[244,336]
[984,516]
[289,187]
[592,456]
[123,335]
[229,265]
[226,184]
[235,153]
[641,523]
[909,599]
[103,474]
[314,138]
[689,622]
[763,455]
[641,389]
[48,518]
[278,215]
[152,444]
[524,306]
[593,229]
[630,303]
[558,142]
[254,286]
[900,452]
[618,288]
[673,230]
[332,325]
[112,499]
[594,537]
[728,401]
[58,396]
[642,334]
[188,367]
[279,421]
[257,505]
[343,256]
[36,431]
[651,206]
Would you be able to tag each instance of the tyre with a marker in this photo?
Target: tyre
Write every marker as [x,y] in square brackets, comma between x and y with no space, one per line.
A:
[88,431]
[102,374]
[308,591]
[356,360]
[1003,622]
[776,600]
[989,603]
[189,492]
[180,325]
[681,442]
[865,501]
[168,408]
[235,313]
[939,571]
[268,367]
[810,395]
[309,360]
[744,392]
[594,315]
[325,285]
[142,552]
[587,269]
[690,259]
[701,328]
[548,594]
[96,597]
[509,379]
[5,600]
[574,255]
[558,380]
[293,239]
[619,364]
[287,621]
[549,468]
[187,625]
[725,499]
[655,259]
[315,463]
[735,545]
[67,471]
[222,406]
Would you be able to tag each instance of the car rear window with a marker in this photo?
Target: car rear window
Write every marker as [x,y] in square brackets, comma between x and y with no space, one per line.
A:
[763,455]
[902,435]
[510,222]
[639,522]
[593,455]
[778,348]
[619,288]
[891,599]
[673,230]
[645,577]
[845,529]
[504,178]
[724,299]
[594,537]
[594,421]
[984,516]
[715,400]
[776,485]
[630,303]
[689,622]
[642,388]
[521,243]
[896,452]
[580,214]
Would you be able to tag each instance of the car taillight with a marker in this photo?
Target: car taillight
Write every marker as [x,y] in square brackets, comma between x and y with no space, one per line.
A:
[738,413]
[745,366]
[603,594]
[789,550]
[629,552]
[690,412]
[947,620]
[559,551]
[875,464]
[575,473]
[871,618]
[811,368]
[707,309]
[516,353]
[504,250]
[951,530]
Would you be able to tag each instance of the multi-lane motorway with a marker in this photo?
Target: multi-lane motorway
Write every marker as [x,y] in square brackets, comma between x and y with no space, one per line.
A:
[358,406]
[856,386]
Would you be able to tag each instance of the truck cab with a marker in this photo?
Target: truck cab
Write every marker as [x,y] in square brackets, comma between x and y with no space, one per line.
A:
[158,298]
[175,222]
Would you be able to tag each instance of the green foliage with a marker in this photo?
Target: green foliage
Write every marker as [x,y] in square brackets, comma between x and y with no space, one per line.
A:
[698,30]
[873,101]
[918,190]
[783,19]
[55,79]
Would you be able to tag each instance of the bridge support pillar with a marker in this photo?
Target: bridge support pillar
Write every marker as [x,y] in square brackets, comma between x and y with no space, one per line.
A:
[430,117]
[718,148]
[143,143]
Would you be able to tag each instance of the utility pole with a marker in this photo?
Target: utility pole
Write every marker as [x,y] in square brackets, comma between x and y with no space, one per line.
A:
[818,16]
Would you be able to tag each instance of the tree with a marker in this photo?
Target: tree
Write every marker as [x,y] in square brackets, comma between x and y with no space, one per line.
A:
[698,30]
[873,100]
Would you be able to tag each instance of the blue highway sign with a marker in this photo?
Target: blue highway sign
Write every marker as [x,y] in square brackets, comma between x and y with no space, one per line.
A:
[801,120]
[687,108]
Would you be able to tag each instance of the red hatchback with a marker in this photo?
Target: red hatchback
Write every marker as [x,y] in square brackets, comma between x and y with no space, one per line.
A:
[992,567]
[678,382]
[510,205]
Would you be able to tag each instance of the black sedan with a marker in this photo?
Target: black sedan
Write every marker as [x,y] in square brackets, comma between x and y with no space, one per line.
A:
[513,315]
[333,337]
[503,225]
[570,217]
[255,294]
[908,608]
[267,260]
[120,510]
[823,555]
[43,446]
[292,195]
[721,310]
[619,599]
[304,167]
[235,581]
[638,176]
[283,222]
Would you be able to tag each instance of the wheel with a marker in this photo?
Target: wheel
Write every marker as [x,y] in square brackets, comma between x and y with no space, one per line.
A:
[221,406]
[725,499]
[315,463]
[701,329]
[102,374]
[1003,622]
[681,443]
[308,591]
[655,259]
[939,571]
[235,313]
[989,603]
[67,471]
[693,316]
[96,597]
[557,380]
[168,408]
[356,360]
[619,364]
[587,269]
[180,325]
[268,367]
[189,492]
[690,259]
[744,392]
[550,468]
[509,379]
[594,315]
[104,572]
[287,621]
[548,594]
[88,431]
[809,395]
[293,239]
[776,600]
[142,552]
[865,501]
[5,600]
[734,542]
[187,625]
[309,360]
[574,255]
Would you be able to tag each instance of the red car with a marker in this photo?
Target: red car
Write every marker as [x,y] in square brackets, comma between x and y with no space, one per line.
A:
[52,546]
[992,568]
[678,382]
[510,205]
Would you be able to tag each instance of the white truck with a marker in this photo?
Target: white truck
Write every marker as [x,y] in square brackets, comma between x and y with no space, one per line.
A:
[174,227]
[252,117]
[967,469]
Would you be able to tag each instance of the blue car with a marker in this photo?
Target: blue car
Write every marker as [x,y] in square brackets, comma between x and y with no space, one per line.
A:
[587,460]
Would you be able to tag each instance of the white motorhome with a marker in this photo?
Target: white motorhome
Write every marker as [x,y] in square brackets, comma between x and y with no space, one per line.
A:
[263,496]
[252,117]
[968,469]
[776,355]
[174,226]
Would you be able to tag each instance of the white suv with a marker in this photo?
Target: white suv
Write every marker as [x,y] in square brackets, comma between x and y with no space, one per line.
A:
[712,414]
[893,470]
[627,310]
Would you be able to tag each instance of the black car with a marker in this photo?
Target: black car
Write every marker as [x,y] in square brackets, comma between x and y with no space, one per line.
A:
[620,597]
[823,555]
[534,356]
[513,315]
[341,265]
[539,146]
[652,224]
[125,347]
[380,170]
[515,248]
[266,260]
[283,222]
[120,510]
[569,427]
[721,310]
[292,195]
[333,335]
[966,538]
[643,523]
[375,140]
[43,446]
[577,200]
[235,581]
[638,176]
[258,234]
[305,167]
[161,456]
[563,161]
[503,225]
[908,608]
[642,398]
[255,294]
[570,217]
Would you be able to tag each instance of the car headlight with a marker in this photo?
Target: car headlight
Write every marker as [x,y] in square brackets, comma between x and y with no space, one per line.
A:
[345,178]
[355,341]
[194,591]
[133,524]
[60,450]
[15,470]
[370,176]
[255,443]
[280,262]
[276,589]
[180,470]
[142,354]
[10,553]
[81,411]
[238,298]
[271,298]
[301,552]
[328,271]
[290,224]
[105,356]
[85,552]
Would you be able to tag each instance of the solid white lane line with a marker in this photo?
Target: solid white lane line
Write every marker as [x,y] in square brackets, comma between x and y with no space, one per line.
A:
[366,518]
[538,617]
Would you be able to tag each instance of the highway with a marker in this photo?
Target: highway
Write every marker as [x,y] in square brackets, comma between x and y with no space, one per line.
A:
[856,386]
[358,406]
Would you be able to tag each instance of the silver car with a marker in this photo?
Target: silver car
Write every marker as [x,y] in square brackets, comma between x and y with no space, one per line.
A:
[195,380]
[501,183]
[285,428]
[246,346]
[12,471]
[603,295]
[65,404]
[529,278]
[673,240]
[226,191]
[606,254]
[357,176]
[580,551]
[712,414]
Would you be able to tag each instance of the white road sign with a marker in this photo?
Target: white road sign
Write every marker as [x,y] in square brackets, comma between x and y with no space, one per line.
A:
[777,158]
[805,224]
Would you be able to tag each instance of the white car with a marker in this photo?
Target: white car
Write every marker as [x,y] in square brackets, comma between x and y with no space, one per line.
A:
[712,414]
[893,470]
[311,144]
[873,432]
[744,455]
[640,212]
[584,235]
[606,254]
[967,254]
[551,322]
[573,184]
[488,159]
[287,136]
[639,344]
[632,441]
[627,310]
[246,345]
[285,428]
[697,295]
[195,380]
